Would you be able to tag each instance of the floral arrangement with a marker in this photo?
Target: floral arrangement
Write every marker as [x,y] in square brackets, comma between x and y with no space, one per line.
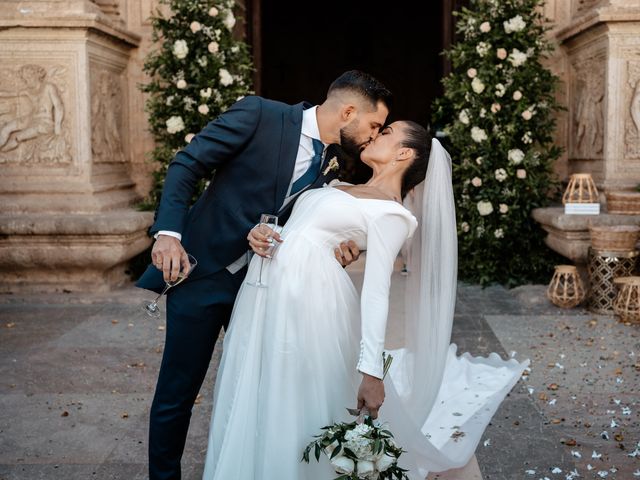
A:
[198,70]
[498,115]
[362,449]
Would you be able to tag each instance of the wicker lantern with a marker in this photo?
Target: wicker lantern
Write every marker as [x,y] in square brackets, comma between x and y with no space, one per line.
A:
[565,289]
[581,189]
[627,302]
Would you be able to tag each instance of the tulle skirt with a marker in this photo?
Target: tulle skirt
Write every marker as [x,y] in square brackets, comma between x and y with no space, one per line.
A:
[289,368]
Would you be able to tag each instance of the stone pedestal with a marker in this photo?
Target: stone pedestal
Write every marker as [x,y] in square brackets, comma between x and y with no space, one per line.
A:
[66,221]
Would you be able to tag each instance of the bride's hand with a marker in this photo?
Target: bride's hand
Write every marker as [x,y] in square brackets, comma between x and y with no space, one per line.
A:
[260,239]
[371,394]
[347,253]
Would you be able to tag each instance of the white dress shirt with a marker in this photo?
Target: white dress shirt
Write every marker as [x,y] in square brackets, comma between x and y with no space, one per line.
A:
[310,130]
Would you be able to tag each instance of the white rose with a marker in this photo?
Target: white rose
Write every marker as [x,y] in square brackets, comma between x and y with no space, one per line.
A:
[515,156]
[225,77]
[516,24]
[464,117]
[483,48]
[195,27]
[476,182]
[479,160]
[495,108]
[181,84]
[203,109]
[527,115]
[484,208]
[498,233]
[229,20]
[343,464]
[239,98]
[213,12]
[472,72]
[213,47]
[517,58]
[206,93]
[464,226]
[485,27]
[180,49]
[203,62]
[501,174]
[174,124]
[188,137]
[501,53]
[478,135]
[500,90]
[517,95]
[504,208]
[521,173]
[365,467]
[526,138]
[477,85]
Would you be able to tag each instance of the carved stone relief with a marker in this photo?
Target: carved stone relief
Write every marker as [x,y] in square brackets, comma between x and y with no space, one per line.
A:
[106,117]
[33,125]
[632,117]
[587,121]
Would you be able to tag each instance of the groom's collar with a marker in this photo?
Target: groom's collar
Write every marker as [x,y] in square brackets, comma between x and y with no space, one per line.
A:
[310,126]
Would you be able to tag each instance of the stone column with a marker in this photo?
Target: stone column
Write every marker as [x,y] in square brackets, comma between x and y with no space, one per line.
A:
[66,194]
[599,62]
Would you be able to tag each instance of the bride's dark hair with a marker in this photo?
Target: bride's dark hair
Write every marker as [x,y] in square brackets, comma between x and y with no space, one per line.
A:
[418,139]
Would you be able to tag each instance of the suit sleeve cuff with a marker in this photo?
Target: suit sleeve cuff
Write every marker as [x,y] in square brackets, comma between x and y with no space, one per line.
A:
[168,233]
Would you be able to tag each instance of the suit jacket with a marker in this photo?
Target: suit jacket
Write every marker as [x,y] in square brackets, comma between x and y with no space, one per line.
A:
[252,148]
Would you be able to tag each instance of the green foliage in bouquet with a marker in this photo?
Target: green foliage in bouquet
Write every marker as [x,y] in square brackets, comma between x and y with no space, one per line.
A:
[358,451]
[197,71]
[498,112]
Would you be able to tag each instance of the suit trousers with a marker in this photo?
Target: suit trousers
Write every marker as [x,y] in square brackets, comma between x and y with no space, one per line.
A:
[196,311]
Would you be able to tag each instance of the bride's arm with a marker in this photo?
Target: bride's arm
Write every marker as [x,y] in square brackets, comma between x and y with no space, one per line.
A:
[386,236]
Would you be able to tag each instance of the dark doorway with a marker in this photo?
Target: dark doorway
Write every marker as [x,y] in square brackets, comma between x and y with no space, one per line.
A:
[301,47]
[304,47]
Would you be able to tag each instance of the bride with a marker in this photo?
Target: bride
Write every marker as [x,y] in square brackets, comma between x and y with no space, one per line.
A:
[307,346]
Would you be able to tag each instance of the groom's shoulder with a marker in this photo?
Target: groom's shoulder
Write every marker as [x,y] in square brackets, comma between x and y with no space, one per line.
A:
[274,105]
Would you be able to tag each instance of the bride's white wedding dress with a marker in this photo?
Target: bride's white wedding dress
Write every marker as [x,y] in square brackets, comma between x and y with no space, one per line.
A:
[293,353]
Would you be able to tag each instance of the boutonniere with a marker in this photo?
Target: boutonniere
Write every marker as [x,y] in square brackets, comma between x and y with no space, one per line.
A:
[333,165]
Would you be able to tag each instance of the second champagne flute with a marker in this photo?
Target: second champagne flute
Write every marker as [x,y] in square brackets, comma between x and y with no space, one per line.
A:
[270,221]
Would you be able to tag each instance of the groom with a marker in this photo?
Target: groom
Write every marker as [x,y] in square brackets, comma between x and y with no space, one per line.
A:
[264,154]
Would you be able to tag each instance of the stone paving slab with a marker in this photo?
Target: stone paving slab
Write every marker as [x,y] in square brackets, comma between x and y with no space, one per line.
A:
[77,374]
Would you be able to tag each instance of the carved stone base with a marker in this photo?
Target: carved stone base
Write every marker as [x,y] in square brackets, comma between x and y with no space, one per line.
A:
[569,234]
[63,252]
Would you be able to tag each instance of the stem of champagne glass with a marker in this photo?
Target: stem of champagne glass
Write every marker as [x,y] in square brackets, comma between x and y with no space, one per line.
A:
[260,274]
[155,302]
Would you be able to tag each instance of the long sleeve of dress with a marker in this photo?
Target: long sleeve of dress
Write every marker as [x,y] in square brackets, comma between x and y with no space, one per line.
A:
[386,235]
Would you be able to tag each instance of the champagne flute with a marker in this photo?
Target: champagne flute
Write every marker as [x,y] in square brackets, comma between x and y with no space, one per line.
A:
[151,307]
[270,221]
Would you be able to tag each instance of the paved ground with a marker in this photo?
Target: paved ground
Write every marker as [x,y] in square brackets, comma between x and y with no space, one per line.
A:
[77,373]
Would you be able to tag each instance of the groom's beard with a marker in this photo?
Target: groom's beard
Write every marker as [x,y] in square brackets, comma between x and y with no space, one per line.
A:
[349,144]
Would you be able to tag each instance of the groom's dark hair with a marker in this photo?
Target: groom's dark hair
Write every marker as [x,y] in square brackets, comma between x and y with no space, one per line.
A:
[416,138]
[363,84]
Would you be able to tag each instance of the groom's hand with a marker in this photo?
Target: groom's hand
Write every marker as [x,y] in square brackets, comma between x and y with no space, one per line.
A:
[168,255]
[371,394]
[261,239]
[347,253]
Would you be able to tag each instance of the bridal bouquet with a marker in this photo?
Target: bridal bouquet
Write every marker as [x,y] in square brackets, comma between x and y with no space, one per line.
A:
[362,449]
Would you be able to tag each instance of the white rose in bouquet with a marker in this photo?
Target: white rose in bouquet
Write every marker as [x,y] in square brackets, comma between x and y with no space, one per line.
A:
[213,47]
[485,27]
[195,27]
[203,109]
[500,90]
[464,226]
[499,233]
[180,49]
[504,208]
[476,182]
[365,467]
[501,53]
[213,12]
[343,464]
[472,72]
[387,461]
[464,117]
[189,137]
[501,174]
[181,84]
[521,173]
[517,58]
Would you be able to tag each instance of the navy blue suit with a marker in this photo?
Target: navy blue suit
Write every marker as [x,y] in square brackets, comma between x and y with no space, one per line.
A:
[252,148]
